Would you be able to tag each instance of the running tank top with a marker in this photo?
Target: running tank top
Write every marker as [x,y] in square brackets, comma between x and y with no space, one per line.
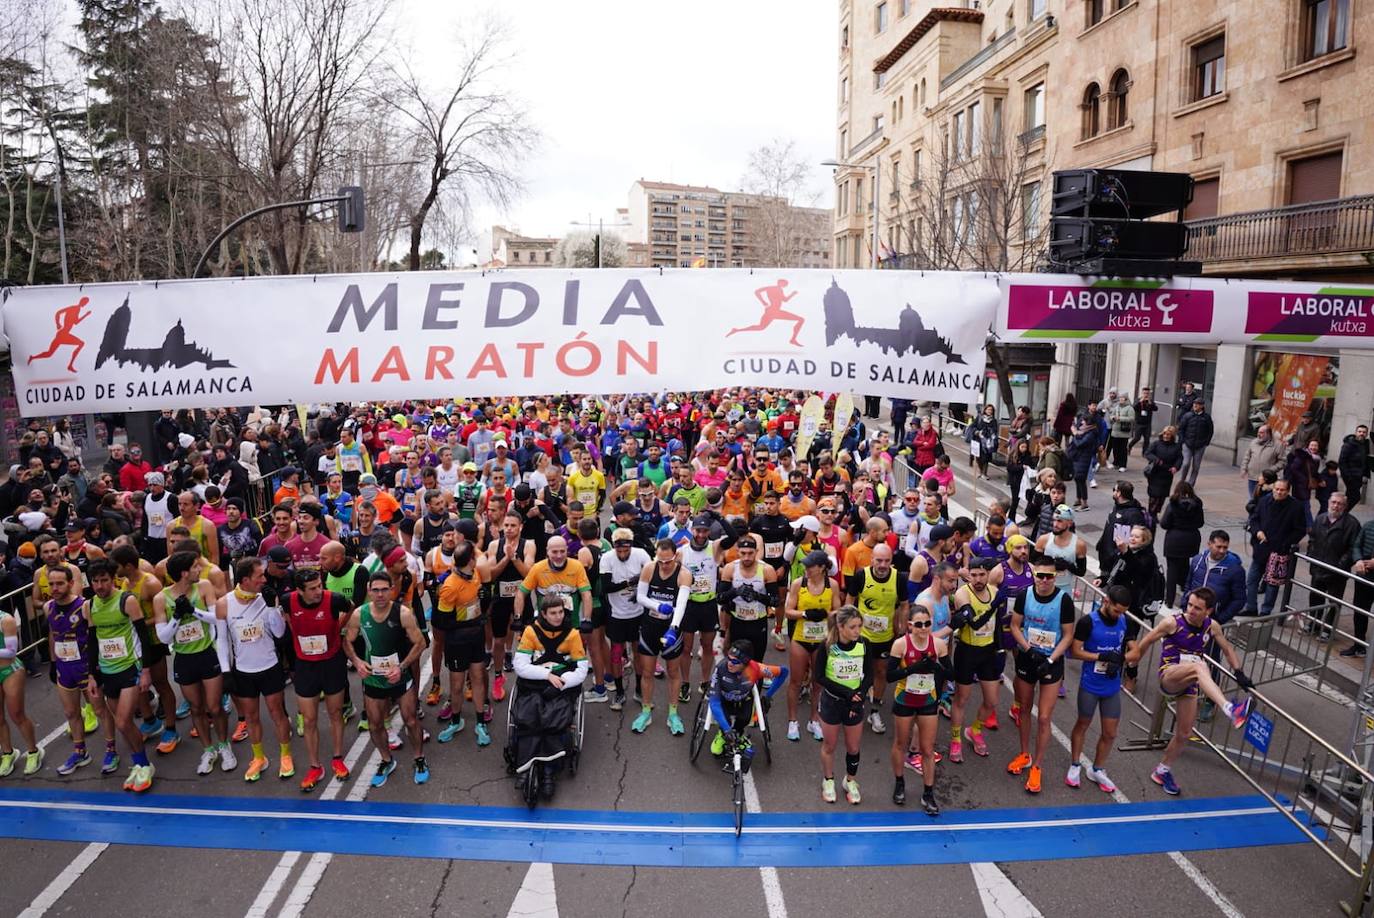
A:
[158,514]
[702,565]
[650,520]
[192,635]
[1104,637]
[924,583]
[1013,585]
[917,690]
[314,629]
[939,609]
[806,631]
[878,604]
[1186,645]
[68,628]
[254,649]
[1041,621]
[983,635]
[508,581]
[1069,554]
[663,589]
[385,643]
[749,610]
[116,641]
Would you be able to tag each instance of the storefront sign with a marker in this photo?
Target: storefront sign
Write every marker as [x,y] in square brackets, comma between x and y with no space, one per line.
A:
[1075,310]
[1296,378]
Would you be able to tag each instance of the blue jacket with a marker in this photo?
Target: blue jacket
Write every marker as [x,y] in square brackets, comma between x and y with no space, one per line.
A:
[1227,580]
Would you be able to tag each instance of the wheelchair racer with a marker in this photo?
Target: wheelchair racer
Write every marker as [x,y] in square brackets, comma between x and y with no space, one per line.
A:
[732,697]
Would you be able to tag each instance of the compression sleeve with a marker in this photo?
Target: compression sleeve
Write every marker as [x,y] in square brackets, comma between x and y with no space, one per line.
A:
[642,594]
[680,607]
[145,641]
[276,625]
[167,631]
[781,676]
[718,711]
[11,647]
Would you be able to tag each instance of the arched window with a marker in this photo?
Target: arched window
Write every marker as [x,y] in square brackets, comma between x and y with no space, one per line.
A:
[1092,111]
[923,93]
[1119,110]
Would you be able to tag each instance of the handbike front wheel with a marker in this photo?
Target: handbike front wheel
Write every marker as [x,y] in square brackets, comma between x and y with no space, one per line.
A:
[698,730]
[739,799]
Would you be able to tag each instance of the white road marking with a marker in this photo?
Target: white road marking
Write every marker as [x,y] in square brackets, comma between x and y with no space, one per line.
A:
[1190,870]
[262,905]
[772,883]
[537,897]
[1001,898]
[314,870]
[63,881]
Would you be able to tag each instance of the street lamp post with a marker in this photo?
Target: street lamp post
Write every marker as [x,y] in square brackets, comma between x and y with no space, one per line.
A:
[877,171]
[600,227]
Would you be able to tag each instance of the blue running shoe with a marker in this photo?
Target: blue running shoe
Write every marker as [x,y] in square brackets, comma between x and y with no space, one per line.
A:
[111,763]
[384,771]
[1167,782]
[453,729]
[74,761]
[149,728]
[183,709]
[421,771]
[1240,712]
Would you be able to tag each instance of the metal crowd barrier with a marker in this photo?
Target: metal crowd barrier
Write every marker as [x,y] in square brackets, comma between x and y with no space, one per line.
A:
[1322,790]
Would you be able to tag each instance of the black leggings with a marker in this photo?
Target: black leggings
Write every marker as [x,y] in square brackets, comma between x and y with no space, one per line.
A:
[1176,578]
[1080,487]
[1014,477]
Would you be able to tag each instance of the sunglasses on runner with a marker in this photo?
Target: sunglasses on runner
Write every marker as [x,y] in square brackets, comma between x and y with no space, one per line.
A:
[1039,576]
[920,624]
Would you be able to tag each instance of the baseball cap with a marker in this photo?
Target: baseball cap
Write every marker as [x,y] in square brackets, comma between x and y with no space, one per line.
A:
[470,467]
[702,521]
[279,554]
[807,522]
[941,531]
[1063,512]
[467,529]
[622,506]
[523,492]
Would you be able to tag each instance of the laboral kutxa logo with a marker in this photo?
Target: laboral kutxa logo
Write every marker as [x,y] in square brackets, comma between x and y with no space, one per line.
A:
[1067,311]
[1338,312]
[157,362]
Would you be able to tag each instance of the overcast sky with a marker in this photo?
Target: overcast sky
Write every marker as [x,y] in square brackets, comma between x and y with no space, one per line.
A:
[624,89]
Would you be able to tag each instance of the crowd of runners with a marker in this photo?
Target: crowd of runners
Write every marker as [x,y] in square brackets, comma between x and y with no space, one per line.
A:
[600,545]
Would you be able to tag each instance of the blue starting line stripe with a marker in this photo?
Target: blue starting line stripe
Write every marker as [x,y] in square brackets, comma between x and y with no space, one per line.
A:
[841,838]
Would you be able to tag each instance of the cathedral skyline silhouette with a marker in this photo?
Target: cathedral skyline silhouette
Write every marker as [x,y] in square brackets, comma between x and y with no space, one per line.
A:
[174,352]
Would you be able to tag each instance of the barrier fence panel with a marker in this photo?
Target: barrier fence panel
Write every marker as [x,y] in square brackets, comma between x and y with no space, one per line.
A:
[1324,791]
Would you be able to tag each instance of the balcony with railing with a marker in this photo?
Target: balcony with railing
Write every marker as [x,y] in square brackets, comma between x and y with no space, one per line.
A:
[1297,233]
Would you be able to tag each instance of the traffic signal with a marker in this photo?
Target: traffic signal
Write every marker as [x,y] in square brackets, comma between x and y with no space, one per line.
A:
[352,215]
[1099,222]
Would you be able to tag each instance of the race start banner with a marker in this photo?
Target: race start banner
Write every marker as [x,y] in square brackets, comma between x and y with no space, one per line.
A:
[373,337]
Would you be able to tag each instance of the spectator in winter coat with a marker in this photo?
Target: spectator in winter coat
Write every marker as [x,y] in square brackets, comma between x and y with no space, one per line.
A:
[1122,417]
[1354,463]
[1301,474]
[1220,570]
[1064,418]
[1333,543]
[1163,460]
[1082,452]
[1363,569]
[1264,452]
[1182,522]
[131,475]
[1276,526]
[1116,531]
[1195,431]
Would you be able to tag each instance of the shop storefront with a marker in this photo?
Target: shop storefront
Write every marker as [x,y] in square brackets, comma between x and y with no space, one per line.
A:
[1284,385]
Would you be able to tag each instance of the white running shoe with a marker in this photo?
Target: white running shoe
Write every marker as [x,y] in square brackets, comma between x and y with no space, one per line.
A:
[814,728]
[793,731]
[207,761]
[227,762]
[875,720]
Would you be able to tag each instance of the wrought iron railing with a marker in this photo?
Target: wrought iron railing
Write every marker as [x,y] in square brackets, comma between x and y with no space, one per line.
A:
[1320,228]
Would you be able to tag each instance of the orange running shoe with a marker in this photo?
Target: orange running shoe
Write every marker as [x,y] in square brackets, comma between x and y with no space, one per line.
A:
[241,732]
[1033,780]
[1018,764]
[313,775]
[435,693]
[340,769]
[255,768]
[991,722]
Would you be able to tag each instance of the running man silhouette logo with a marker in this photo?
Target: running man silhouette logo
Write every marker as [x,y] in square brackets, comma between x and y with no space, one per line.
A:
[772,297]
[66,318]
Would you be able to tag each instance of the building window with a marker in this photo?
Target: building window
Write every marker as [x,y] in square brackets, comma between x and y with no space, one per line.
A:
[1118,110]
[1030,210]
[844,39]
[1035,106]
[514,255]
[1209,67]
[877,123]
[1316,178]
[844,90]
[995,125]
[548,257]
[1204,203]
[1037,8]
[923,92]
[1092,111]
[844,143]
[915,167]
[903,7]
[957,148]
[880,18]
[1096,10]
[975,128]
[1326,26]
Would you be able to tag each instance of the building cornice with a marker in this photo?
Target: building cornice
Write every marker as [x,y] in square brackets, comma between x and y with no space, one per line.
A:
[918,31]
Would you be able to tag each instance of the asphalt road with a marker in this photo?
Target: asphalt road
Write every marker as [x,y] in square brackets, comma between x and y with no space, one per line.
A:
[624,772]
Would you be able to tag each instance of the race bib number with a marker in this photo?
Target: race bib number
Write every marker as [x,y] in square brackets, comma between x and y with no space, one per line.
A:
[157,519]
[1042,639]
[1101,668]
[986,629]
[773,550]
[846,669]
[312,645]
[813,631]
[877,624]
[469,612]
[1189,658]
[508,588]
[701,584]
[587,496]
[920,684]
[114,648]
[385,664]
[67,651]
[190,632]
[352,463]
[250,632]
